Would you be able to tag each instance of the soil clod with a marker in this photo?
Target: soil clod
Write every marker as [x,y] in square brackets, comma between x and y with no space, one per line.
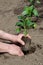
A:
[39,46]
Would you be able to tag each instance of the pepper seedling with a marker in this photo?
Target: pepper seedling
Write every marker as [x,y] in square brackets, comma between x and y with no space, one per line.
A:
[25,21]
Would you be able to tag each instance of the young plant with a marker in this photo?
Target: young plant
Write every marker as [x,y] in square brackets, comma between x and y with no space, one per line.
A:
[25,20]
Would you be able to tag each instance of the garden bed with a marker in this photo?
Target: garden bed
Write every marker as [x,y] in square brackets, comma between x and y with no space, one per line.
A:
[8,18]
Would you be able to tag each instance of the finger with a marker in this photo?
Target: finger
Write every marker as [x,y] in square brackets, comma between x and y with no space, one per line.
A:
[21,42]
[28,36]
[21,35]
[21,53]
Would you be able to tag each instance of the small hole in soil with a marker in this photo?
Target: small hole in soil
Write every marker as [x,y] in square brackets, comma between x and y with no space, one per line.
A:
[26,52]
[31,49]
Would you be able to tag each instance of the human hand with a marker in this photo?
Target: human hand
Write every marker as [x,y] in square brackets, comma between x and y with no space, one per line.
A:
[15,50]
[13,38]
[18,38]
[11,49]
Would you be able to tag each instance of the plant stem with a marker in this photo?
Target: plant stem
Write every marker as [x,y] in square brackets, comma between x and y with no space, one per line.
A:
[25,31]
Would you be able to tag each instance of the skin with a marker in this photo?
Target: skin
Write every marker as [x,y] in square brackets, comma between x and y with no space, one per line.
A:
[11,48]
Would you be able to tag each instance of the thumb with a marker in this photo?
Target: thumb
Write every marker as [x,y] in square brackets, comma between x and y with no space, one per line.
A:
[21,42]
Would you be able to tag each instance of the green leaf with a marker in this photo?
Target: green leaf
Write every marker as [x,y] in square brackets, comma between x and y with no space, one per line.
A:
[31,7]
[19,24]
[35,12]
[28,10]
[34,25]
[25,13]
[18,30]
[20,17]
[29,23]
[38,1]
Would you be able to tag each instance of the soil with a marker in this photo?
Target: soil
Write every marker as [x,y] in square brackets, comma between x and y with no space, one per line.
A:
[8,19]
[26,47]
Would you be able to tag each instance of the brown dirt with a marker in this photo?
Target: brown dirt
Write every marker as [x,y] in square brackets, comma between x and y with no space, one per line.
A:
[8,18]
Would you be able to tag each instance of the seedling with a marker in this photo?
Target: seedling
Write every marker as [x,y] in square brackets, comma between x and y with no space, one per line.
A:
[26,22]
[25,19]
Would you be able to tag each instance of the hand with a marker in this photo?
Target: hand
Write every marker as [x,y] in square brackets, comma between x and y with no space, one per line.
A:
[13,38]
[15,50]
[11,49]
[17,38]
